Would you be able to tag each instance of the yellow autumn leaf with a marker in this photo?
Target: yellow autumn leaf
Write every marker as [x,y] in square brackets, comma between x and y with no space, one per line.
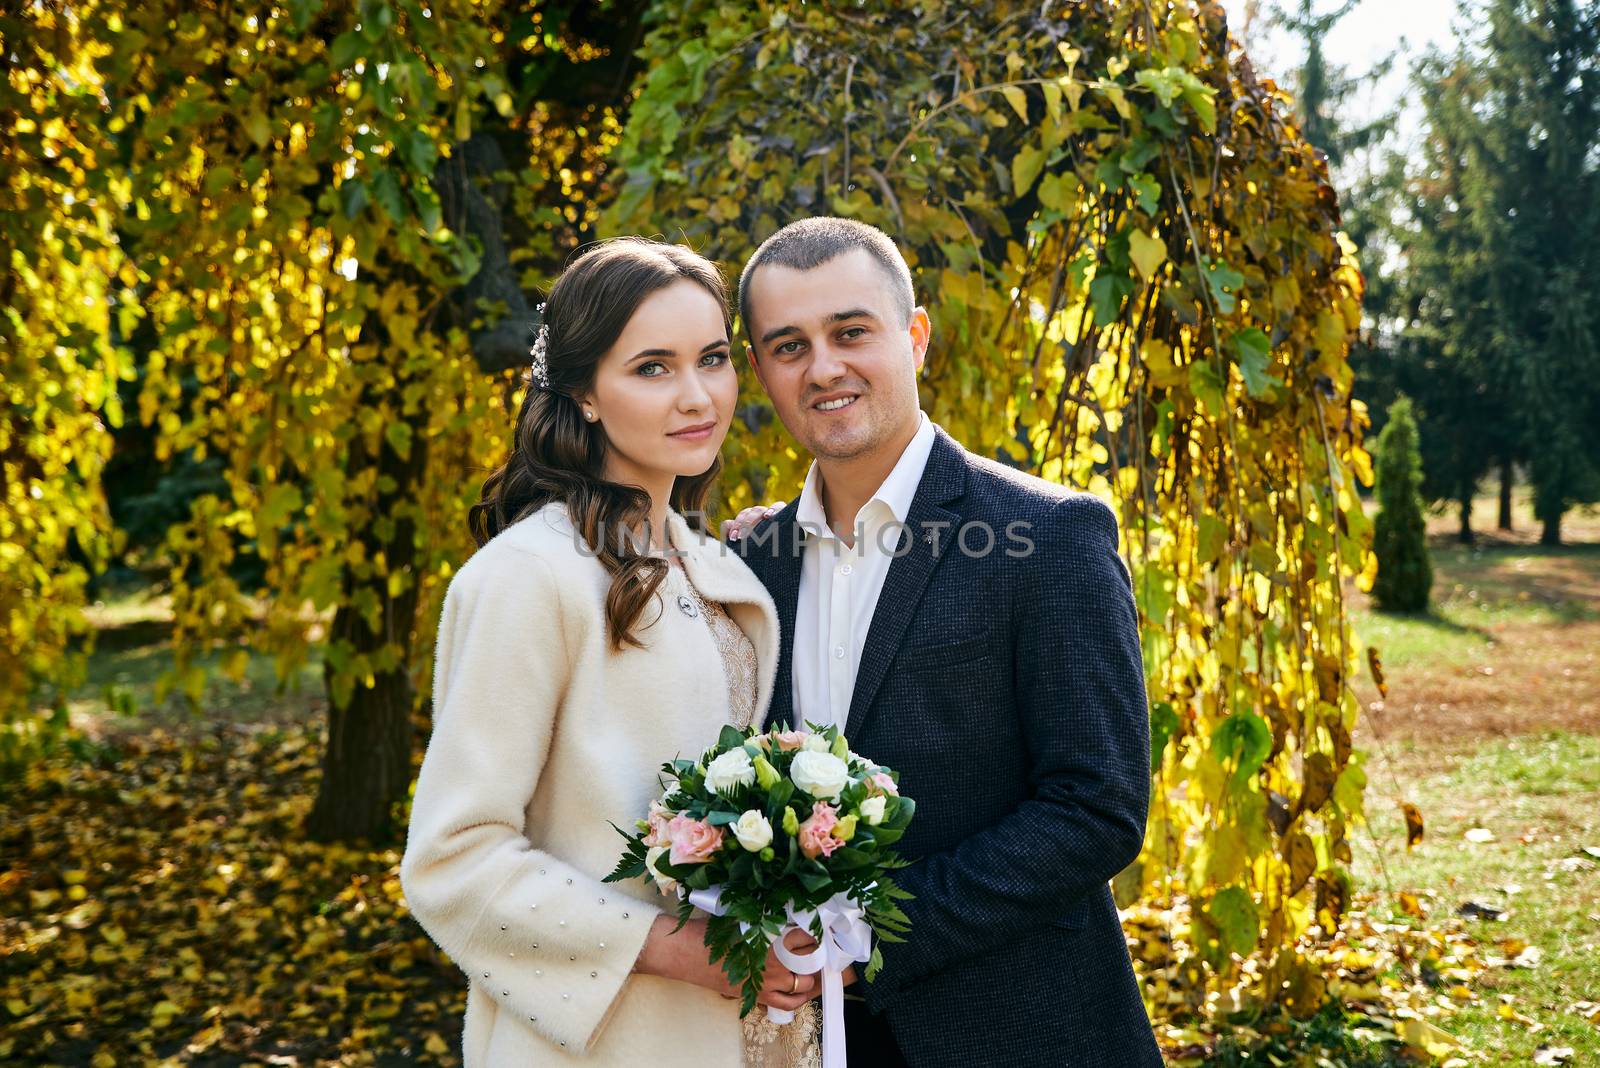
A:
[1147,251]
[1017,99]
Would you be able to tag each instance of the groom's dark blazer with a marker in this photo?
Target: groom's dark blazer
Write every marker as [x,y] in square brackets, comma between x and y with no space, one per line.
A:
[1007,688]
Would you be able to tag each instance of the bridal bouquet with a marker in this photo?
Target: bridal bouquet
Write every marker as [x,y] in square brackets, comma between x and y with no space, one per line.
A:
[768,831]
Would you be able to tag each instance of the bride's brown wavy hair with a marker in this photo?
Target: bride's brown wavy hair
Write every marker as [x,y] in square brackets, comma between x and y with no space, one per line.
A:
[558,456]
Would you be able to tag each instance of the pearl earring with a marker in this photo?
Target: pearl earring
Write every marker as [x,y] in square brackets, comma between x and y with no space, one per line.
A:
[589,415]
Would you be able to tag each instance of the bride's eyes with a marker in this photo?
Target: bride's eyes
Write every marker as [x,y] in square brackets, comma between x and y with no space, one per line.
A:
[716,358]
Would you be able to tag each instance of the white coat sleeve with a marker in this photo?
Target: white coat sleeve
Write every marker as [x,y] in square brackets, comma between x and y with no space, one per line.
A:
[551,944]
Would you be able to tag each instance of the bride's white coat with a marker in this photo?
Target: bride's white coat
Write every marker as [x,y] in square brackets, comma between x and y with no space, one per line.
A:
[541,734]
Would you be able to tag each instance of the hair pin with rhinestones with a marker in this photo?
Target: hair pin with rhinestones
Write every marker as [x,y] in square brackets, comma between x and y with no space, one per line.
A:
[541,360]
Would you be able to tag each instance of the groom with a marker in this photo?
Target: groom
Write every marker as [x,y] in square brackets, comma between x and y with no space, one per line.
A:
[974,628]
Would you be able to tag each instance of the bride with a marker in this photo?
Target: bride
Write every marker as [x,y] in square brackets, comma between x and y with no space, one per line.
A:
[594,634]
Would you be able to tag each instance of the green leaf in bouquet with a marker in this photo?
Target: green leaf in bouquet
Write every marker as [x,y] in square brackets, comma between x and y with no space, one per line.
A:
[730,738]
[890,917]
[875,965]
[742,867]
[812,878]
[722,817]
[793,862]
[777,799]
[895,890]
[850,858]
[631,866]
[904,808]
[699,879]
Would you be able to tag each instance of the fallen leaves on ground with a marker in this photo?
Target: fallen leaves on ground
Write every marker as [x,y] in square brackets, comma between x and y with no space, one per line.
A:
[162,905]
[1398,984]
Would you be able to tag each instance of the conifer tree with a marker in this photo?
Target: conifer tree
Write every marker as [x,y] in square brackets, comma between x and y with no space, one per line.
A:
[1405,574]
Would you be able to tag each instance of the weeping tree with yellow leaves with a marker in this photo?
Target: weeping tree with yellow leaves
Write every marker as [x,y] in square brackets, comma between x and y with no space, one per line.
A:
[1138,286]
[334,251]
[58,379]
[305,228]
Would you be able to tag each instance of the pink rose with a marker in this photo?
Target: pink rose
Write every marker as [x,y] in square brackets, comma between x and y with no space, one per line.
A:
[880,783]
[659,818]
[791,740]
[816,833]
[693,841]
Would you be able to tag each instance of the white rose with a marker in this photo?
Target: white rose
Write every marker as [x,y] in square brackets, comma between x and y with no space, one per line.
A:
[753,831]
[815,743]
[731,769]
[664,883]
[872,809]
[819,774]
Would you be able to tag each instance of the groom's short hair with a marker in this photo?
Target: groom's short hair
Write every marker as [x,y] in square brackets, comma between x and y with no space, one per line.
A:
[808,243]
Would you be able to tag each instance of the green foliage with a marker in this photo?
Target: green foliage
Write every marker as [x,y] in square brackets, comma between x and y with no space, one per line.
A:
[1499,219]
[58,389]
[251,199]
[1405,575]
[1079,194]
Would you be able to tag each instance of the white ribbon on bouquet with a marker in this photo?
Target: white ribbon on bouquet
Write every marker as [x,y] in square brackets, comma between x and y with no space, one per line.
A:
[846,940]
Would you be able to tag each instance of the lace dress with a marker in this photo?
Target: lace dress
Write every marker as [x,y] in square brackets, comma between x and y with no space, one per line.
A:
[766,1044]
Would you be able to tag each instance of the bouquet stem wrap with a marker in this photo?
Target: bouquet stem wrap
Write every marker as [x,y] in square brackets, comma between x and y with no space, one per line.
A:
[846,939]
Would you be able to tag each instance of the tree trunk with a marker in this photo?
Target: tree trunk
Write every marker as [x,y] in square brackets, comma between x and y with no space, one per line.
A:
[1551,534]
[1466,536]
[366,765]
[1505,493]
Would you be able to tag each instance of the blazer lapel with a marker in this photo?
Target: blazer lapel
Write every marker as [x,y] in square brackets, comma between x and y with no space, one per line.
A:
[781,545]
[943,480]
[783,582]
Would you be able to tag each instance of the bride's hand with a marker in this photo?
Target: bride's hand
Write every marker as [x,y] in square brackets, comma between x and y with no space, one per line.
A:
[737,527]
[778,981]
[682,956]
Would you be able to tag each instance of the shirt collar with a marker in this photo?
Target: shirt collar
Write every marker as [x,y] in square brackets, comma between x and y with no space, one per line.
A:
[895,494]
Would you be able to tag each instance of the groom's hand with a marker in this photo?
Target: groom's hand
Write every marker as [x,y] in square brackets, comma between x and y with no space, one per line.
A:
[741,524]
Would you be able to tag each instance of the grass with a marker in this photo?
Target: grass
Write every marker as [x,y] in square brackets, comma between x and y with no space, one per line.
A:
[122,692]
[1539,796]
[1492,721]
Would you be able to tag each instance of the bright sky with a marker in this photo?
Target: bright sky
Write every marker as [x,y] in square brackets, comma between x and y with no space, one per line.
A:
[1364,37]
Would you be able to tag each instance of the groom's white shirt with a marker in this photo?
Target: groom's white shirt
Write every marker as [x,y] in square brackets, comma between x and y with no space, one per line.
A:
[839,584]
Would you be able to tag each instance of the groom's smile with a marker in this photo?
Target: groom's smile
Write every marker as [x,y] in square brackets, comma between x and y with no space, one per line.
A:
[835,403]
